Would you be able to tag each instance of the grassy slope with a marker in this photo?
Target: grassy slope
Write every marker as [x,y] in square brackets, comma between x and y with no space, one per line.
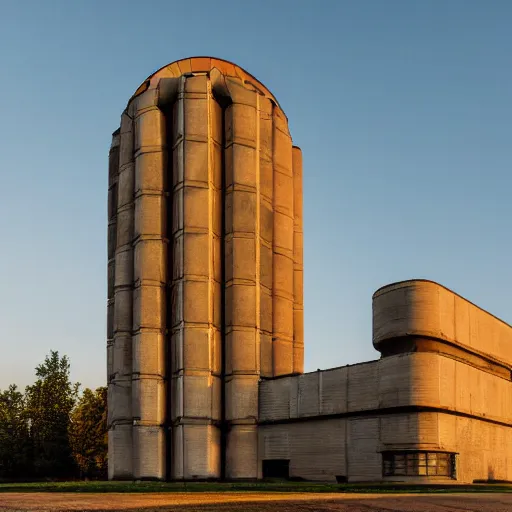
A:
[106,487]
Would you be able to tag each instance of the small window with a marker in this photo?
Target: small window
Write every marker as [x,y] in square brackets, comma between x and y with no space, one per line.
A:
[418,464]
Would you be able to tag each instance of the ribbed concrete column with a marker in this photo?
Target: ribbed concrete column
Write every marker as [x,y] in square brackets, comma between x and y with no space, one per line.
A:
[150,259]
[298,266]
[113,174]
[242,280]
[120,387]
[282,277]
[196,232]
[266,216]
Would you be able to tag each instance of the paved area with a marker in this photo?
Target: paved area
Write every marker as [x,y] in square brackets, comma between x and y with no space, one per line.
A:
[252,502]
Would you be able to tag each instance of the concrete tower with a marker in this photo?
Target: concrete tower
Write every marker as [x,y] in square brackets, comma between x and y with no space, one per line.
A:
[204,271]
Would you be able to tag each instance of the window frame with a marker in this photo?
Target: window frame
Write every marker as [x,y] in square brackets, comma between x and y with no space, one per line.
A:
[419,463]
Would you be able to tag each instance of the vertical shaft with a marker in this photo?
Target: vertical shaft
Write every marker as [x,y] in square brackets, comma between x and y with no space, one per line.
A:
[242,280]
[149,322]
[113,173]
[266,221]
[282,278]
[120,395]
[195,236]
[298,266]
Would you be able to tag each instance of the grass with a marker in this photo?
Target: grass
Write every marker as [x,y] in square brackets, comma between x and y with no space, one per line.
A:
[263,487]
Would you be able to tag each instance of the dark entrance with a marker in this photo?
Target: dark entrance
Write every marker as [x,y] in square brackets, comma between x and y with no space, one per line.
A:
[276,468]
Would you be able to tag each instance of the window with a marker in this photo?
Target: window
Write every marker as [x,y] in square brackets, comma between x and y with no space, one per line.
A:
[418,464]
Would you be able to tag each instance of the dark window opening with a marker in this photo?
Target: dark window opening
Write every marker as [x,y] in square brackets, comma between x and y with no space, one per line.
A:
[276,468]
[419,463]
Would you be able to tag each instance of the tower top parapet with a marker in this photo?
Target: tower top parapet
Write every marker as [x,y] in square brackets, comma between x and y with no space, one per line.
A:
[194,65]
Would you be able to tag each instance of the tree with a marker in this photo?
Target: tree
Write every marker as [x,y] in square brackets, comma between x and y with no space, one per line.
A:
[88,433]
[49,402]
[15,458]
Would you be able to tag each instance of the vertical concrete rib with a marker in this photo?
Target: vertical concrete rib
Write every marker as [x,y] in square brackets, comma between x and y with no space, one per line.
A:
[113,174]
[150,257]
[242,280]
[120,387]
[266,230]
[195,235]
[282,278]
[298,266]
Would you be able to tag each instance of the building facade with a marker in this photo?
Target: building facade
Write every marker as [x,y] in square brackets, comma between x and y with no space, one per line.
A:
[205,340]
[436,407]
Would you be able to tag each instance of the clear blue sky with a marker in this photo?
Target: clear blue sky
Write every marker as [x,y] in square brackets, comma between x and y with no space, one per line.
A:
[403,110]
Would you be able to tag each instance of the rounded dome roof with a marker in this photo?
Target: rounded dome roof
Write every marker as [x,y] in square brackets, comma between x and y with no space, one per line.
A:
[203,65]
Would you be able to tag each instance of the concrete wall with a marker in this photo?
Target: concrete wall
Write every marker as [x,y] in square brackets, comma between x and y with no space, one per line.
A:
[336,422]
[446,386]
[417,379]
[321,449]
[340,390]
[425,308]
[485,449]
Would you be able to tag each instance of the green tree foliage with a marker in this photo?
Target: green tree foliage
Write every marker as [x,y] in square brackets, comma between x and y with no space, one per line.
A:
[49,403]
[15,456]
[88,433]
[49,432]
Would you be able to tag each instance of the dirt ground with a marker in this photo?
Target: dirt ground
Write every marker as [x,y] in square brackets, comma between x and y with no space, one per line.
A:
[252,502]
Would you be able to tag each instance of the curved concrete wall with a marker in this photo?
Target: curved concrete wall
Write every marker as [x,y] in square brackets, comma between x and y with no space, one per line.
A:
[337,422]
[425,308]
[321,449]
[406,380]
